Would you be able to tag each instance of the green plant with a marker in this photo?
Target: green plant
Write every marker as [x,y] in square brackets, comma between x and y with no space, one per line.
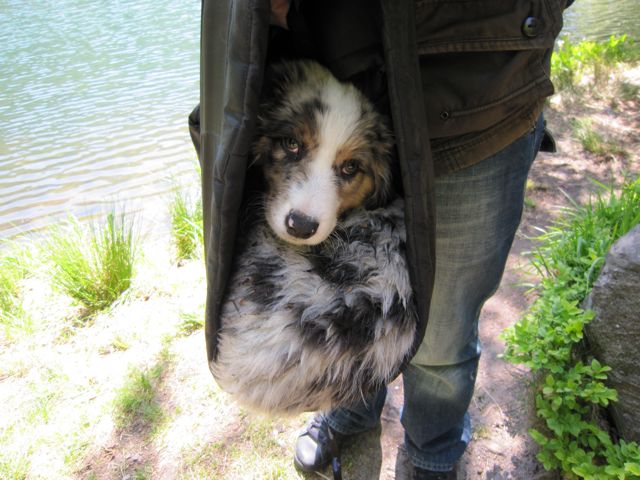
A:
[546,339]
[14,466]
[592,141]
[94,265]
[572,60]
[137,401]
[629,91]
[15,263]
[186,224]
[190,322]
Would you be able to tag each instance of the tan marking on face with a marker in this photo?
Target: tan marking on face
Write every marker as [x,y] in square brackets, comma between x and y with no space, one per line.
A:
[354,193]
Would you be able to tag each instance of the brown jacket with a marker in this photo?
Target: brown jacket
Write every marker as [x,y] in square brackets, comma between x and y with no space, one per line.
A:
[485,73]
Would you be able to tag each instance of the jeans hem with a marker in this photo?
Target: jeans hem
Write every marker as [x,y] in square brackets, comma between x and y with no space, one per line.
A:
[343,430]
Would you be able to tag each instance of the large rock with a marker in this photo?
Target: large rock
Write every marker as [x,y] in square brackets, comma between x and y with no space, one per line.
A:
[614,333]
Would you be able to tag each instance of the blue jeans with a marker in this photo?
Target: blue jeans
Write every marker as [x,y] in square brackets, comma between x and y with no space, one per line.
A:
[478,210]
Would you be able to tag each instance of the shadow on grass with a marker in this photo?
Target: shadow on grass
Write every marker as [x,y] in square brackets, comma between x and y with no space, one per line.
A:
[139,410]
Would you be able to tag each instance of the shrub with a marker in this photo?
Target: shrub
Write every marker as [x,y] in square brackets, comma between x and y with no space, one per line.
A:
[186,223]
[569,258]
[572,60]
[94,265]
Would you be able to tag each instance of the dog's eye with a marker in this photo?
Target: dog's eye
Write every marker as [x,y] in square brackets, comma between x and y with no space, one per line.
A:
[291,145]
[349,168]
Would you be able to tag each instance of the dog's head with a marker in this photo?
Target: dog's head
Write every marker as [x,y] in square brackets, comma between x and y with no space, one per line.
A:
[324,151]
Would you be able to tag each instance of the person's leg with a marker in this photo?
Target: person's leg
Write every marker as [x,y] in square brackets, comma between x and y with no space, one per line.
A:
[478,210]
[477,213]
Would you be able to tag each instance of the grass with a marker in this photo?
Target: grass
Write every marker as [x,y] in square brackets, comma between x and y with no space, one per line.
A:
[94,265]
[186,226]
[14,467]
[137,402]
[260,451]
[592,141]
[547,339]
[629,92]
[15,264]
[571,61]
[190,322]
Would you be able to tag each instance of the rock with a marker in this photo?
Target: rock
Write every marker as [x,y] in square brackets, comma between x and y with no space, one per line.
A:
[614,333]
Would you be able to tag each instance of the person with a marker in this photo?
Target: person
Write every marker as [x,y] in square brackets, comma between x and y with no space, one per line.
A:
[464,84]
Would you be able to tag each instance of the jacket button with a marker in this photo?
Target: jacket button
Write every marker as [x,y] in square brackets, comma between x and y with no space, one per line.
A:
[444,115]
[531,27]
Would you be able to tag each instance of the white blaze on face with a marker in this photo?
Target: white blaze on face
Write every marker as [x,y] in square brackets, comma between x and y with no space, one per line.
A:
[316,195]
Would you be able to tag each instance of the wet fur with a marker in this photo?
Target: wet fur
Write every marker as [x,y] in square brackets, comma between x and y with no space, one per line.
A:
[319,325]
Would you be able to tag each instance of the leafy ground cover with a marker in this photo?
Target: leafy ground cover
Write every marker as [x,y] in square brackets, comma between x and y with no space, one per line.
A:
[569,256]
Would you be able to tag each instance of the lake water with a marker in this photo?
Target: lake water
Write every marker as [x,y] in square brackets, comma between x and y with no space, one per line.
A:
[94,98]
[94,101]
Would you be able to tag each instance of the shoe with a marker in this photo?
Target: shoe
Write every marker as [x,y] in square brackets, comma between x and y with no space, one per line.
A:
[422,474]
[317,445]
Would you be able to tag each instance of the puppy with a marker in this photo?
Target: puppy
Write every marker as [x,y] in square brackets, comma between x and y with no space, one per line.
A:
[319,311]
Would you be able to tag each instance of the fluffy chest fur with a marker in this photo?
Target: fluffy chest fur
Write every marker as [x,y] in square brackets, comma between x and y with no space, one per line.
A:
[313,328]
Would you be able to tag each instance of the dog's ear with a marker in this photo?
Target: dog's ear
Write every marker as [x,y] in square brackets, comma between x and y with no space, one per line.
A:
[383,155]
[260,150]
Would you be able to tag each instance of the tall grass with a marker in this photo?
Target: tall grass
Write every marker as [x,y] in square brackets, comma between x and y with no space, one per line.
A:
[569,259]
[15,263]
[186,225]
[94,265]
[570,61]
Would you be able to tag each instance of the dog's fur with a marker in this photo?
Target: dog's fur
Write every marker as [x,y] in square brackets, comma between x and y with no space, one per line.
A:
[319,319]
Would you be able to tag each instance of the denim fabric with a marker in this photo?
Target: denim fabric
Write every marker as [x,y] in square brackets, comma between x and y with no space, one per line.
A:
[478,210]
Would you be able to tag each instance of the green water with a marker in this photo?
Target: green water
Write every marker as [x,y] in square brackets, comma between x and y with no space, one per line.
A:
[94,98]
[599,19]
[94,101]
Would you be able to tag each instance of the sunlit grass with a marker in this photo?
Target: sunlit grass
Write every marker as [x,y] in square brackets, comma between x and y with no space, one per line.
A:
[137,401]
[262,450]
[190,322]
[186,225]
[94,265]
[15,264]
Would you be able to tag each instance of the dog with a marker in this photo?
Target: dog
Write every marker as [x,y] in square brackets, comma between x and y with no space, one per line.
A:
[319,311]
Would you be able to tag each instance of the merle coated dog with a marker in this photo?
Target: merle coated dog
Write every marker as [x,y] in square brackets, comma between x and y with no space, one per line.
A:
[319,312]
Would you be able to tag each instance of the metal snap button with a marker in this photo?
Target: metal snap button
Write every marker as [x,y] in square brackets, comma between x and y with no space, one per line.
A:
[444,115]
[531,27]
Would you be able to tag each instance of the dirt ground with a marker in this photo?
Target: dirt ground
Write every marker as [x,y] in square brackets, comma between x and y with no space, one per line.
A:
[58,386]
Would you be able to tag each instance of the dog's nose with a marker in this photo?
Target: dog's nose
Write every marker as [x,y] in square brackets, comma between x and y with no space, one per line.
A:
[300,225]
